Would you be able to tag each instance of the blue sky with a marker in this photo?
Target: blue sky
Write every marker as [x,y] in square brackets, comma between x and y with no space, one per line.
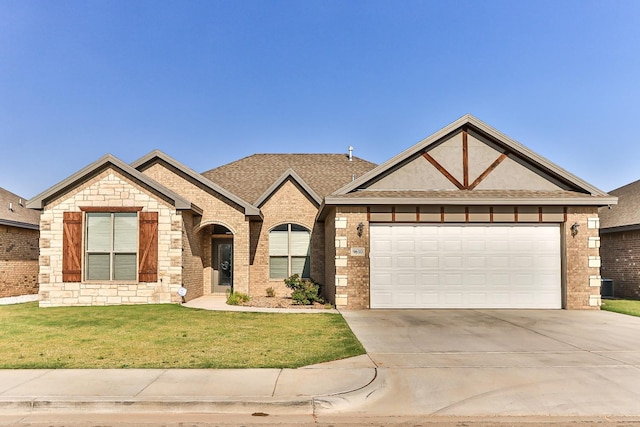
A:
[209,82]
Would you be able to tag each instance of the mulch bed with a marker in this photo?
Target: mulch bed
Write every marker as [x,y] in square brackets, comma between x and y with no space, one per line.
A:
[279,302]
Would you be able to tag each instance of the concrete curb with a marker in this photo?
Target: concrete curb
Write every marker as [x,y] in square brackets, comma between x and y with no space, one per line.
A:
[352,400]
[215,405]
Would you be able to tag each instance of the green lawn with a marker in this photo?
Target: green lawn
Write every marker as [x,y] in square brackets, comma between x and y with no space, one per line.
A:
[168,336]
[624,306]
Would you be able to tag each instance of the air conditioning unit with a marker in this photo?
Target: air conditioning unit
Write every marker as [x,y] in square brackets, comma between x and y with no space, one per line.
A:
[606,288]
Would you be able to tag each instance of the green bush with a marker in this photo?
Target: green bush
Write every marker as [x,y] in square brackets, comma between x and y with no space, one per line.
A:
[304,291]
[236,298]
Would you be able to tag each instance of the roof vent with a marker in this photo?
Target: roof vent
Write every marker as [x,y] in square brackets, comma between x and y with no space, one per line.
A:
[350,153]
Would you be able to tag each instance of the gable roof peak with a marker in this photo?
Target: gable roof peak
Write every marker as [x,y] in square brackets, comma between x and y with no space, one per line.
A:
[512,147]
[108,160]
[154,155]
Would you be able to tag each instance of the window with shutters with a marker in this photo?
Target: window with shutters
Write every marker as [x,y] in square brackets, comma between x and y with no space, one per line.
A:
[111,246]
[289,250]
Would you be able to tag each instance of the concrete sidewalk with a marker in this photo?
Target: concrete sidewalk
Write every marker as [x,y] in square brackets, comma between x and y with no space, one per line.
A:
[234,391]
[245,391]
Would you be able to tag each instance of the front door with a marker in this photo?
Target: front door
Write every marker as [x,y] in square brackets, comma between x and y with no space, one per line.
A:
[222,279]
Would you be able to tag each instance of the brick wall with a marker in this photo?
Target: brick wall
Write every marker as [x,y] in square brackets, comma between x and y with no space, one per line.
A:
[18,261]
[352,272]
[330,256]
[620,254]
[582,262]
[216,210]
[192,257]
[109,189]
[289,204]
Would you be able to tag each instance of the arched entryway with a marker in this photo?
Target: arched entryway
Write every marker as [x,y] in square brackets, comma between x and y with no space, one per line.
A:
[221,260]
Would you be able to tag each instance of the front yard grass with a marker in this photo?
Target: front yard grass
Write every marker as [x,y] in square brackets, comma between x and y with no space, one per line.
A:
[624,306]
[168,336]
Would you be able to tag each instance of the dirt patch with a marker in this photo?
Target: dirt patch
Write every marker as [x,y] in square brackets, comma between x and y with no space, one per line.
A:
[279,302]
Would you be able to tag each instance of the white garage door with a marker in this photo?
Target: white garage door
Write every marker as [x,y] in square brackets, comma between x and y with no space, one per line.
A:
[465,266]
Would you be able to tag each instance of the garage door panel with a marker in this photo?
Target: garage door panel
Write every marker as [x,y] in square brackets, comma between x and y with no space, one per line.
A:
[452,245]
[405,246]
[476,279]
[475,262]
[404,261]
[465,266]
[429,262]
[406,280]
[451,280]
[475,245]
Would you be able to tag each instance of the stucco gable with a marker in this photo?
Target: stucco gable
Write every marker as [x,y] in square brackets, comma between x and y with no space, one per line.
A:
[469,155]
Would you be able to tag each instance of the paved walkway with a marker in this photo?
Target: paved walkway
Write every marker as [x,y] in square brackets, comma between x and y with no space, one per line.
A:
[244,391]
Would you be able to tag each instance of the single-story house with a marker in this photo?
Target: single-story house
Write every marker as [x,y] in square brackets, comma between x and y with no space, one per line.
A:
[18,249]
[620,242]
[466,218]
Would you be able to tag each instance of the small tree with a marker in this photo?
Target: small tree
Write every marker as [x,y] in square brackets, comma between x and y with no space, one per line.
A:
[304,291]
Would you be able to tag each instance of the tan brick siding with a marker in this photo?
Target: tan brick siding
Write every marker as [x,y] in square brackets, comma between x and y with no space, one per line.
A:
[357,269]
[577,252]
[288,204]
[620,254]
[216,210]
[192,258]
[109,189]
[329,256]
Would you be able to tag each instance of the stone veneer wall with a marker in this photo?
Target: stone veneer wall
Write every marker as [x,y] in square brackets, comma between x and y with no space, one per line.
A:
[288,204]
[109,189]
[18,261]
[216,210]
[582,259]
[620,253]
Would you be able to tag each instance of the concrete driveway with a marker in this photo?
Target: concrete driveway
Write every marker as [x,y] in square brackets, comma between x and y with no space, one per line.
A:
[501,362]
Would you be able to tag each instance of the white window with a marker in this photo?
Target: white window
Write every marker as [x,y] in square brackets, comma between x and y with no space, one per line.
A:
[289,250]
[111,246]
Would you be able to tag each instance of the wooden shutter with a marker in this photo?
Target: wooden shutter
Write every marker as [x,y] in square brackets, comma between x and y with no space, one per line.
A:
[72,247]
[148,247]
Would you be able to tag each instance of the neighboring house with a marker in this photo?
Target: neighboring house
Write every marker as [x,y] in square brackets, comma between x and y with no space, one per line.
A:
[466,218]
[18,248]
[620,242]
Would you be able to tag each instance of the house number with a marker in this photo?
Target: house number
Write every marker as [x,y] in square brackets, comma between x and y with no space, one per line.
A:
[357,251]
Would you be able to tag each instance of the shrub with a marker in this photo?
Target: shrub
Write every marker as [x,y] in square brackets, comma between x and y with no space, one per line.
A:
[237,298]
[271,292]
[304,291]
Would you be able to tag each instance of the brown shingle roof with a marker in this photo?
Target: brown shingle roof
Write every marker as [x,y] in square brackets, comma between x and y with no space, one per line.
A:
[627,211]
[19,215]
[251,176]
